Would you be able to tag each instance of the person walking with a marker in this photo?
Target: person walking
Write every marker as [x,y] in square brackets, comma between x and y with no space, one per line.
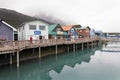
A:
[31,40]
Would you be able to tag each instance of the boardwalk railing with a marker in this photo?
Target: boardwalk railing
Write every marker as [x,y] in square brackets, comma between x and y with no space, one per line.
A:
[23,44]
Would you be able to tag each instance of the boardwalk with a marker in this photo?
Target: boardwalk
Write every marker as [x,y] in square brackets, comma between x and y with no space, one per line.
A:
[20,45]
[17,46]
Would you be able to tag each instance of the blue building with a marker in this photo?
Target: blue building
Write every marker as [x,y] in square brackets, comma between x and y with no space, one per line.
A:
[99,33]
[6,31]
[71,31]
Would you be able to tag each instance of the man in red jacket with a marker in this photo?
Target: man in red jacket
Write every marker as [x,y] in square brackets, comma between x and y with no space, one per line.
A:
[31,39]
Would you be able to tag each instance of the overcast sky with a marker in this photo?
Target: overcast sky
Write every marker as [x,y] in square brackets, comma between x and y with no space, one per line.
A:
[98,14]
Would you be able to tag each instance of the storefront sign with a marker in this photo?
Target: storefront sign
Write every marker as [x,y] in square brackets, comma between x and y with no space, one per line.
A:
[37,32]
[59,32]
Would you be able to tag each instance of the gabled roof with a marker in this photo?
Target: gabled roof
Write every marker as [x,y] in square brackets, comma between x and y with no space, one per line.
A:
[66,28]
[77,26]
[8,25]
[33,21]
[98,31]
[52,27]
[83,27]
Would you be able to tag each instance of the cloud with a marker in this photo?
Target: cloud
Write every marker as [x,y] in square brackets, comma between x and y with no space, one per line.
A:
[98,14]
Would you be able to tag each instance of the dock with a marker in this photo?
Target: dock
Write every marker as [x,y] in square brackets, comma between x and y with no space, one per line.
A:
[112,46]
[16,46]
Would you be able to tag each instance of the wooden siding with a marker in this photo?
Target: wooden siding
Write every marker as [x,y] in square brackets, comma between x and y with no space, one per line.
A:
[6,32]
[84,32]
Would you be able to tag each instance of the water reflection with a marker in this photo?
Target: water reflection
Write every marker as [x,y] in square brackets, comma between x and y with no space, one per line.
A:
[49,68]
[102,66]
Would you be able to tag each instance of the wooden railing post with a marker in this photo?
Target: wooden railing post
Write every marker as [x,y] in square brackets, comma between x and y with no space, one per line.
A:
[13,44]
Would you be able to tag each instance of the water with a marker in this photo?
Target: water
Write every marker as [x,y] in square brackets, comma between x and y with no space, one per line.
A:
[89,64]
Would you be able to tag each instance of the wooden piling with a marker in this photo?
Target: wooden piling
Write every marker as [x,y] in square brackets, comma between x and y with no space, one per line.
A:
[68,48]
[10,58]
[92,43]
[17,58]
[33,51]
[76,46]
[82,45]
[39,52]
[87,44]
[5,56]
[56,51]
[73,47]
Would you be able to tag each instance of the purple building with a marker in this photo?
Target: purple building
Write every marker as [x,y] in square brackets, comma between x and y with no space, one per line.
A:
[6,31]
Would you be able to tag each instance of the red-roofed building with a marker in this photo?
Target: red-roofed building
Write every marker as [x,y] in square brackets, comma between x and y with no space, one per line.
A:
[71,31]
[83,31]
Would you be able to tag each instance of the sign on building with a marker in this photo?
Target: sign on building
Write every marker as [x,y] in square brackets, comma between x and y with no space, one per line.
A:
[59,32]
[37,32]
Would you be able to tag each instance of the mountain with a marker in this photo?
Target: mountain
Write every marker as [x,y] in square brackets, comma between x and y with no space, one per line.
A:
[15,18]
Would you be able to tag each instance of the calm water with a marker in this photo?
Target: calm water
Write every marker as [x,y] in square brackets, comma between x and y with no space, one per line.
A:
[92,64]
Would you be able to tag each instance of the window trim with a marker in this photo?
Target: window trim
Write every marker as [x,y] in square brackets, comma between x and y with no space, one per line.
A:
[31,25]
[42,27]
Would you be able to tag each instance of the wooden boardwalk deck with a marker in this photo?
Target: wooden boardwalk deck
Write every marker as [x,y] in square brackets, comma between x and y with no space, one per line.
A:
[17,46]
[14,46]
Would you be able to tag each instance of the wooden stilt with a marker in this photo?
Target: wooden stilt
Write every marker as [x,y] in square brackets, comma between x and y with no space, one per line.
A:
[68,48]
[76,46]
[5,56]
[39,52]
[56,49]
[92,43]
[87,44]
[82,45]
[73,47]
[17,58]
[10,58]
[50,48]
[62,47]
[33,51]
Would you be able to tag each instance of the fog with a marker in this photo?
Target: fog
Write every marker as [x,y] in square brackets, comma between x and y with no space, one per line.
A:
[98,14]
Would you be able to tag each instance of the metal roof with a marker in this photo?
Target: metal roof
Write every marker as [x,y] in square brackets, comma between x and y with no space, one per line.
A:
[66,28]
[8,25]
[52,27]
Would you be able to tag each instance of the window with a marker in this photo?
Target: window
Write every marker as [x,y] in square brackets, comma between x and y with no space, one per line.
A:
[32,27]
[80,30]
[41,27]
[58,29]
[87,30]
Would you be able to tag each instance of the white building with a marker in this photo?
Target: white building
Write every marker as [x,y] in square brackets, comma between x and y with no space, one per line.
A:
[35,29]
[92,33]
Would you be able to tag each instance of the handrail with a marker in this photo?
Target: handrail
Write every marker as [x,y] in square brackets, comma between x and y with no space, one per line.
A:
[22,44]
